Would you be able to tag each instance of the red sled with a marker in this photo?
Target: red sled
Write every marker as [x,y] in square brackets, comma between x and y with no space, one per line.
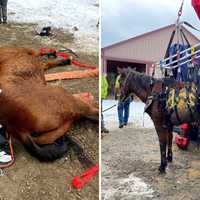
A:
[182,142]
[196,6]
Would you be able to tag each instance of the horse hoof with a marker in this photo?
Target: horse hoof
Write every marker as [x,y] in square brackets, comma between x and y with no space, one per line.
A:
[162,170]
[169,158]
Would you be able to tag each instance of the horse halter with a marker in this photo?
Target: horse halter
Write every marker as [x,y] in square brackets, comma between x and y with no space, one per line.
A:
[124,86]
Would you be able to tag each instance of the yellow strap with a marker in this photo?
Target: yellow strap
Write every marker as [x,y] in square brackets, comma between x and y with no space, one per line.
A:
[117,82]
[193,50]
[173,98]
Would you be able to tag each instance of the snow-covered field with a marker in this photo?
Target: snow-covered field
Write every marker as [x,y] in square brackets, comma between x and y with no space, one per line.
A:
[66,14]
[136,117]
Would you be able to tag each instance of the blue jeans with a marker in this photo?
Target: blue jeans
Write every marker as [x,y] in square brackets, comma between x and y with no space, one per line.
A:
[123,111]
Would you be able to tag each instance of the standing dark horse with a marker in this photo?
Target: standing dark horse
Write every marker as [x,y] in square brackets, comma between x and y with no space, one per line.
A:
[149,90]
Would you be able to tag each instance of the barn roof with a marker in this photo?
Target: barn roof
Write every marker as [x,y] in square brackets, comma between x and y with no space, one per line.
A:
[146,34]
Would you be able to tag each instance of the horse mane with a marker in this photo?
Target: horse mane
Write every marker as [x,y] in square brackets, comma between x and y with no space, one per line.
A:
[142,79]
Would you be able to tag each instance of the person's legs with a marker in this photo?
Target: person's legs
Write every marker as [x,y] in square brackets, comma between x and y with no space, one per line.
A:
[120,109]
[126,110]
[4,10]
[1,14]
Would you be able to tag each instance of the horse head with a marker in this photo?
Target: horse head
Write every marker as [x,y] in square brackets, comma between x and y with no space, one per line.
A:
[124,81]
[132,81]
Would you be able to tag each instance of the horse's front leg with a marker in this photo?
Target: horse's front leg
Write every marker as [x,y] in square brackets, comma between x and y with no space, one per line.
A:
[169,153]
[163,137]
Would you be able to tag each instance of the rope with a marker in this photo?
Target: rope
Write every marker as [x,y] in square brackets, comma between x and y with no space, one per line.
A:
[109,108]
[92,71]
[180,9]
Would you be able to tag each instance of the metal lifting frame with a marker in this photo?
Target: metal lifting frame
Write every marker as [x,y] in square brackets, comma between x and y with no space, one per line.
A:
[163,63]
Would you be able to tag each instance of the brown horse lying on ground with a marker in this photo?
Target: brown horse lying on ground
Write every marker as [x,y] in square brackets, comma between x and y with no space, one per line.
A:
[37,114]
[144,87]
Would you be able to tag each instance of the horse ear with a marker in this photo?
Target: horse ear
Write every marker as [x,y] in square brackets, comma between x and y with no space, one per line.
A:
[120,70]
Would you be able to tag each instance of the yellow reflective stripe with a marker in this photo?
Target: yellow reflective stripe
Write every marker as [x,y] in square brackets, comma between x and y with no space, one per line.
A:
[117,82]
[193,50]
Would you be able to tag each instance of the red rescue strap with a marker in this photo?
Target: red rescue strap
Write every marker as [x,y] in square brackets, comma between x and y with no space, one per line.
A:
[184,127]
[182,142]
[78,182]
[52,51]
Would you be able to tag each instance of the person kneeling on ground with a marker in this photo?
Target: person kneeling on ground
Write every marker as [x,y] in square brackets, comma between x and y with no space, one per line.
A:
[123,107]
[5,154]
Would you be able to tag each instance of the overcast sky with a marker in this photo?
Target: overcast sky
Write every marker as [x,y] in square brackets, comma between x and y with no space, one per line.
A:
[123,19]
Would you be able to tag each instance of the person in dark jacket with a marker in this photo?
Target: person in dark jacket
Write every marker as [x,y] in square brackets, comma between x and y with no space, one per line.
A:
[3,11]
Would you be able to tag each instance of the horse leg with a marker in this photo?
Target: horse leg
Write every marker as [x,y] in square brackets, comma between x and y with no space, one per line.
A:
[163,137]
[50,64]
[169,153]
[51,136]
[47,152]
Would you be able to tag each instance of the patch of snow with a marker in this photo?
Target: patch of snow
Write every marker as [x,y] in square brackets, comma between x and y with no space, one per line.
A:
[66,14]
[137,117]
[128,188]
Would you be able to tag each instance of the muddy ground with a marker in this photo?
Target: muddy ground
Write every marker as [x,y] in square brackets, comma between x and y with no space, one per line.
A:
[29,179]
[130,161]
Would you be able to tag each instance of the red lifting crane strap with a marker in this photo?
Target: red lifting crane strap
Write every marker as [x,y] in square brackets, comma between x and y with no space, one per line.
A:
[91,71]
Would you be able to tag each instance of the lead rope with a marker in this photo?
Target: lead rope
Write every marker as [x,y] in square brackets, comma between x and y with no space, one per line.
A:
[117,103]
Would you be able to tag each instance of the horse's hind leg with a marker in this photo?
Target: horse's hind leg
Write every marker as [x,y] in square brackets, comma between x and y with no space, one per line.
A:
[169,153]
[51,136]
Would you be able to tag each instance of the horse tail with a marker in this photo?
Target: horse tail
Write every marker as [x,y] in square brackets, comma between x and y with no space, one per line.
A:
[51,152]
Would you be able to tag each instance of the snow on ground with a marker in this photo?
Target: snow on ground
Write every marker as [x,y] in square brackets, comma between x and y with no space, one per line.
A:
[136,116]
[65,14]
[127,188]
